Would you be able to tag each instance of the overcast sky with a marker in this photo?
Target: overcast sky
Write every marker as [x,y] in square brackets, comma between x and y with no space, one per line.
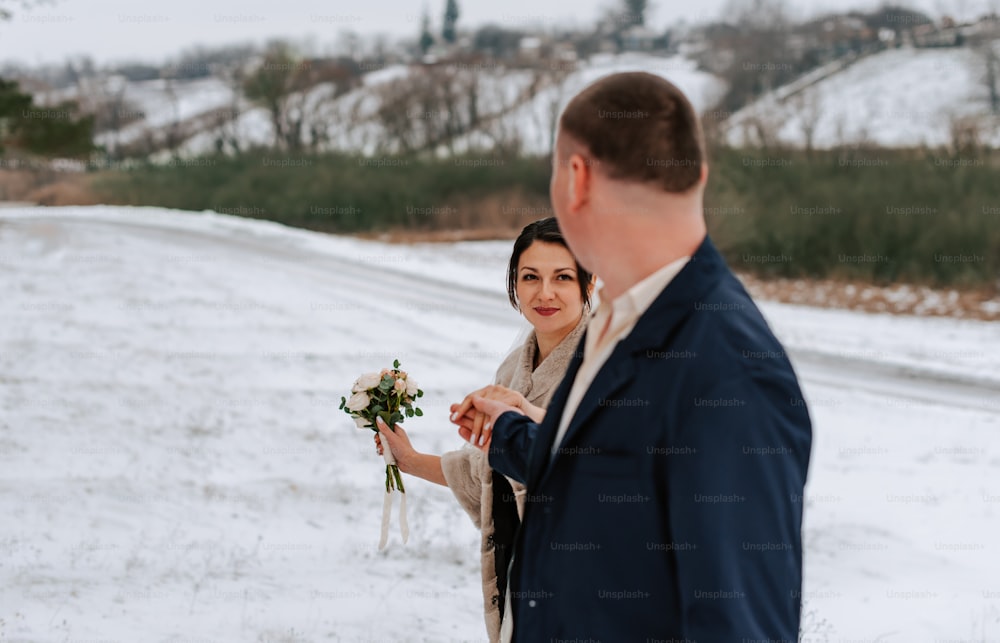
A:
[119,30]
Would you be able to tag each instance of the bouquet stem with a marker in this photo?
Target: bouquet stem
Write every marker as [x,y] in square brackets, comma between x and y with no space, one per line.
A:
[393,482]
[392,478]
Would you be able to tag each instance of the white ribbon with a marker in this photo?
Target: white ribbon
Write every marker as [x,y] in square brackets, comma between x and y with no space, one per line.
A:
[404,528]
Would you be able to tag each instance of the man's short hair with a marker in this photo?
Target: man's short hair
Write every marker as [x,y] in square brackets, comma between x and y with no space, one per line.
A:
[638,127]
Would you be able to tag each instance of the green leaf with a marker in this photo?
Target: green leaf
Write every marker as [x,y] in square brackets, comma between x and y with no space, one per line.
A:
[418,412]
[395,363]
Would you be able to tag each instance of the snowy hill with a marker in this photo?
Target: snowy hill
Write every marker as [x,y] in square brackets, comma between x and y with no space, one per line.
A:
[896,98]
[514,103]
[351,124]
[174,466]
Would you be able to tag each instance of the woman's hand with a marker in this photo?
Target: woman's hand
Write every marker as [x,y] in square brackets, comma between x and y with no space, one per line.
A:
[399,443]
[408,459]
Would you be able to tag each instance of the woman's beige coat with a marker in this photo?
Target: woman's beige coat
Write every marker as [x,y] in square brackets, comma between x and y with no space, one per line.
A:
[468,472]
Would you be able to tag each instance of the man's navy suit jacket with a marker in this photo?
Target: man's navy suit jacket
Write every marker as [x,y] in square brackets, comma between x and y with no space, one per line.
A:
[672,509]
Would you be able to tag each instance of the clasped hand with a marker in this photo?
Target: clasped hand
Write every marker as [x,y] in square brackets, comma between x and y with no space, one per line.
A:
[476,413]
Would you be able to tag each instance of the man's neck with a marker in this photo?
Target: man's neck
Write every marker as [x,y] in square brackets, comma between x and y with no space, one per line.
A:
[622,270]
[650,231]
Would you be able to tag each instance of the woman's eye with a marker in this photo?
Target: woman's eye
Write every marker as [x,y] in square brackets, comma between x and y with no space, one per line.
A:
[565,277]
[528,277]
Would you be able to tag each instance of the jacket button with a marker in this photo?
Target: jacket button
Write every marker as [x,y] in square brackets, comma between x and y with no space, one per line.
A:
[496,598]
[532,603]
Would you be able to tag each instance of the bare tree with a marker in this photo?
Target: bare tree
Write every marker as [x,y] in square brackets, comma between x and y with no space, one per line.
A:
[272,85]
[104,96]
[444,104]
[227,137]
[762,123]
[293,91]
[806,105]
[635,12]
[761,58]
[988,47]
[965,135]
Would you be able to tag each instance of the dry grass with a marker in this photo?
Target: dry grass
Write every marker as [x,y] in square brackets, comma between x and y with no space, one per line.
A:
[402,236]
[47,188]
[486,218]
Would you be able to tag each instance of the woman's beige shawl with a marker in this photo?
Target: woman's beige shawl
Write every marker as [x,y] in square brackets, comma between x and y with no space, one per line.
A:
[468,472]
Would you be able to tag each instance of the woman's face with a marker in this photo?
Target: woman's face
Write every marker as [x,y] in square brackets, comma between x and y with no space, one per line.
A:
[548,288]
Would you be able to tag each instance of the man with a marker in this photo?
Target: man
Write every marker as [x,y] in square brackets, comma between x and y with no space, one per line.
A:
[665,481]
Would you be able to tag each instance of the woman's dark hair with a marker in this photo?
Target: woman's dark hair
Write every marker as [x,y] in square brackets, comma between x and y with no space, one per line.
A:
[547,231]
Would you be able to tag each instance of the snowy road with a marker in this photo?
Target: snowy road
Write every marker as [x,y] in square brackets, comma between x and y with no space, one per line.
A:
[173,466]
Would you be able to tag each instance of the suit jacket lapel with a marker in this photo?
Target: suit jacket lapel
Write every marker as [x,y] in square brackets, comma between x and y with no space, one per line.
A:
[547,429]
[615,374]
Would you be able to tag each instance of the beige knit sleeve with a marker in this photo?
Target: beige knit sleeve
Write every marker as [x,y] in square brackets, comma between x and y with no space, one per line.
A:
[462,470]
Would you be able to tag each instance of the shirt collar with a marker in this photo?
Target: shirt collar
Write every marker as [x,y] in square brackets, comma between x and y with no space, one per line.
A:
[634,301]
[628,307]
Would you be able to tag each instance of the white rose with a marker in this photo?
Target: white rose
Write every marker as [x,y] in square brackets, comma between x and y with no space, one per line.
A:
[399,385]
[361,423]
[411,388]
[368,380]
[358,402]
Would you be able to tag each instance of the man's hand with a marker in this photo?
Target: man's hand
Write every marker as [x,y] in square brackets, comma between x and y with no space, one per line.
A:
[466,415]
[479,433]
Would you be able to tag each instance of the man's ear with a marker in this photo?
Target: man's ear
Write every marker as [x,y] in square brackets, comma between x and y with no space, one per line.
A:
[580,182]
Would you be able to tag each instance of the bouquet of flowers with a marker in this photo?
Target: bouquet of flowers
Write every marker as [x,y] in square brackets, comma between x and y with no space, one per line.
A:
[389,395]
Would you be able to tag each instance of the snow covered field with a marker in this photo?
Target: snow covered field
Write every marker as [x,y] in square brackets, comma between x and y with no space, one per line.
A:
[173,466]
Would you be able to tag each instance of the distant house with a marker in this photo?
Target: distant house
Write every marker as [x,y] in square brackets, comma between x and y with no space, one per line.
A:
[934,36]
[530,47]
[835,36]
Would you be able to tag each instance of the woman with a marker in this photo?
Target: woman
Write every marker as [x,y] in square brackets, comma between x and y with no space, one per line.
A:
[552,290]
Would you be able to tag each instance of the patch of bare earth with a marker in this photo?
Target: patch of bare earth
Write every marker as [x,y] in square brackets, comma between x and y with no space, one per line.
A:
[899,299]
[47,187]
